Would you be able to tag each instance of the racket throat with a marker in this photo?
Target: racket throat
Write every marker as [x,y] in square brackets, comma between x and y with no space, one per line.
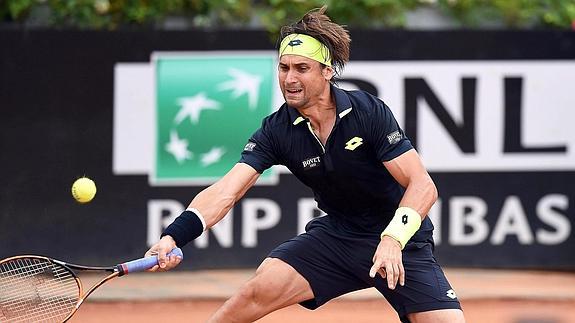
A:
[121,269]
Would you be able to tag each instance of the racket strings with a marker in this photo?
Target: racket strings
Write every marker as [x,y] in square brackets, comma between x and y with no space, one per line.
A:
[36,290]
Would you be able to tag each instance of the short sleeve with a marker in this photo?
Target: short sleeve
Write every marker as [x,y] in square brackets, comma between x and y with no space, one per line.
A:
[259,152]
[388,138]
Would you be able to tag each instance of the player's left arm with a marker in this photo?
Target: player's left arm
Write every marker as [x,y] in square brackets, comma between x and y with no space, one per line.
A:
[408,170]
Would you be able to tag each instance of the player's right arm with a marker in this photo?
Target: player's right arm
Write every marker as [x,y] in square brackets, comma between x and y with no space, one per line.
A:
[212,204]
[216,200]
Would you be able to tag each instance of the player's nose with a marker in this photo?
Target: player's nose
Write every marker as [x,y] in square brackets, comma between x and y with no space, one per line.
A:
[290,77]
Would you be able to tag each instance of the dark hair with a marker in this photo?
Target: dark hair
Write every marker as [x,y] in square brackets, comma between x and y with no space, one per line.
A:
[317,24]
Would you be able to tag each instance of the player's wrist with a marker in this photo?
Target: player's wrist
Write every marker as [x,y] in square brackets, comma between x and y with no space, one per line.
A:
[393,239]
[169,239]
[403,225]
[186,227]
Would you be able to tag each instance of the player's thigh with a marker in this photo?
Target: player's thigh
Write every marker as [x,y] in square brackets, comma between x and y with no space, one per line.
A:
[426,288]
[279,283]
[437,316]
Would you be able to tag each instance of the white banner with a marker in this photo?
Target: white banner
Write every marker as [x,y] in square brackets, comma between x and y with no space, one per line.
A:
[468,115]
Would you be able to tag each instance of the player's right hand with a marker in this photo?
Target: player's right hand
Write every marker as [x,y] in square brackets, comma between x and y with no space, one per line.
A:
[160,249]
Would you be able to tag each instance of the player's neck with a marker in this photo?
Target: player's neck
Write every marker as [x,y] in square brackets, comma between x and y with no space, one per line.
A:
[321,116]
[321,112]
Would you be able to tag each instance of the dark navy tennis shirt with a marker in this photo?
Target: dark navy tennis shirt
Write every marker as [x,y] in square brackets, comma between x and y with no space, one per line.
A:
[347,175]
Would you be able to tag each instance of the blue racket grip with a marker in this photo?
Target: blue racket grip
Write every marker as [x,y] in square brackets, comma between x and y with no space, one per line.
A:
[146,263]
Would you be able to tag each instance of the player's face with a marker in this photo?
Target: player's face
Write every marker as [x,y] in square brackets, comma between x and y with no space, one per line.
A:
[302,80]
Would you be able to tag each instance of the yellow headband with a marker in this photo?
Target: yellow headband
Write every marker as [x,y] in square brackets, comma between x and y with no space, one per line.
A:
[306,46]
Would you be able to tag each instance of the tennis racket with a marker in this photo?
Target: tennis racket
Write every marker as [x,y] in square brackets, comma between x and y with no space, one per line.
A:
[42,289]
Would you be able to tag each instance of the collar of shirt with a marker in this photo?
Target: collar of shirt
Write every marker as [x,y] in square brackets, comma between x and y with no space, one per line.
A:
[342,102]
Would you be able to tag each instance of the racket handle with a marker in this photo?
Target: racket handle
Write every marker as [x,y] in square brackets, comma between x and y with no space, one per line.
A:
[146,263]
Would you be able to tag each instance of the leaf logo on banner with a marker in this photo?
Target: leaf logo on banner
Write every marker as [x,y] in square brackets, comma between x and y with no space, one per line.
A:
[193,106]
[207,109]
[243,83]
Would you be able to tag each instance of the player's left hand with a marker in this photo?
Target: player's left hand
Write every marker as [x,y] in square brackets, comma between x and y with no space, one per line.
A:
[387,262]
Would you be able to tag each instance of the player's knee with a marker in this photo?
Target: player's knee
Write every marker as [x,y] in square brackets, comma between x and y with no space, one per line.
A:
[253,293]
[245,295]
[266,291]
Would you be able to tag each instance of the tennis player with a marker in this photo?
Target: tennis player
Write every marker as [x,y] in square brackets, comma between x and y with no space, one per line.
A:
[365,174]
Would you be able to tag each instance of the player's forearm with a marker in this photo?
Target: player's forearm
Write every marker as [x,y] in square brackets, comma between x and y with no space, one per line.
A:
[214,202]
[205,210]
[409,172]
[420,194]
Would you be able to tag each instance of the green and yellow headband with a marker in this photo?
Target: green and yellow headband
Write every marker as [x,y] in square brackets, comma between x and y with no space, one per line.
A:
[306,46]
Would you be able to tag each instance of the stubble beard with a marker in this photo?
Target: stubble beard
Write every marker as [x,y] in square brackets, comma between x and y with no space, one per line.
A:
[296,103]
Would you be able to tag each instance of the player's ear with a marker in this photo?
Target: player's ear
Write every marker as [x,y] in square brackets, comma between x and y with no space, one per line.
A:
[327,72]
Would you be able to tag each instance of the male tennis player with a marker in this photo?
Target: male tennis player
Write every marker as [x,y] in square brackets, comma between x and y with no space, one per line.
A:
[347,147]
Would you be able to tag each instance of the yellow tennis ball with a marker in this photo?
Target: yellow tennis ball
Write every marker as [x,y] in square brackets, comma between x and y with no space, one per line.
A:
[84,189]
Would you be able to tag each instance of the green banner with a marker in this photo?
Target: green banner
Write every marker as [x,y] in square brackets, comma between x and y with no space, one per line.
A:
[207,108]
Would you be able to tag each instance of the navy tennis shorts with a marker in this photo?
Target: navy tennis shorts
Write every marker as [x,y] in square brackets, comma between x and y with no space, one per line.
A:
[335,262]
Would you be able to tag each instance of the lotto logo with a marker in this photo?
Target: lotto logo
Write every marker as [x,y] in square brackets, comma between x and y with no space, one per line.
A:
[353,143]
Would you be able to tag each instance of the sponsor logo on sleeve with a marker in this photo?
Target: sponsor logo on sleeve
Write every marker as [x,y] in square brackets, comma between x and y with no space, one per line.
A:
[394,137]
[250,146]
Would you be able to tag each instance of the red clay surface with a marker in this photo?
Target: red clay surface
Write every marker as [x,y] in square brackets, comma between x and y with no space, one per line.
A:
[500,296]
[364,311]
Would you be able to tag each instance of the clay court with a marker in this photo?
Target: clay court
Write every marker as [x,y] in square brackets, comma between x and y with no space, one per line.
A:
[512,311]
[486,295]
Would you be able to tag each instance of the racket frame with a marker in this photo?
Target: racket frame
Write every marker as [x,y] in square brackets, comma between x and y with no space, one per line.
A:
[115,271]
